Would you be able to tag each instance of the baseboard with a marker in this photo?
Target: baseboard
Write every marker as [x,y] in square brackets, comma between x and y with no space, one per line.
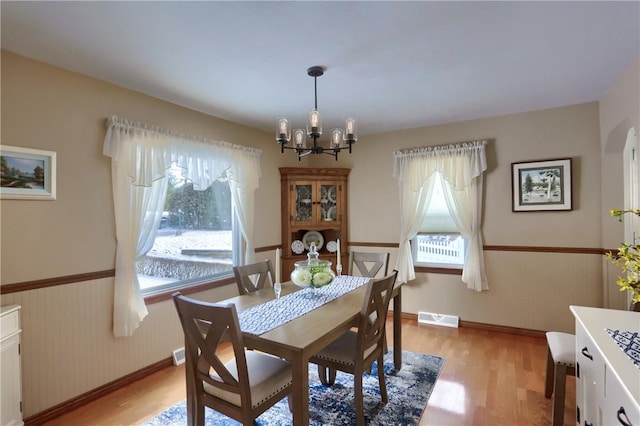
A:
[482,326]
[72,404]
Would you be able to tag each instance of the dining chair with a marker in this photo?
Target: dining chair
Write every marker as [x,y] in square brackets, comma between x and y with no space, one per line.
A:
[250,278]
[355,351]
[561,362]
[243,387]
[368,264]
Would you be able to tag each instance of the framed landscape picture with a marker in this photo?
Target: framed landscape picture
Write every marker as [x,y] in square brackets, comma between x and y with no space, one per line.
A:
[543,185]
[27,174]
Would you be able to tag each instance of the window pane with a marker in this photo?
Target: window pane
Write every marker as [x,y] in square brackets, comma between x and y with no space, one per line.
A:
[195,239]
[439,243]
[442,250]
[438,218]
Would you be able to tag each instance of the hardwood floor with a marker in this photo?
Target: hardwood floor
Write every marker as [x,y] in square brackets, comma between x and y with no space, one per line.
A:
[489,378]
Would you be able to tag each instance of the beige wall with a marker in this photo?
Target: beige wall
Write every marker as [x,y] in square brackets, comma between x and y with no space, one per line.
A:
[619,111]
[527,290]
[68,348]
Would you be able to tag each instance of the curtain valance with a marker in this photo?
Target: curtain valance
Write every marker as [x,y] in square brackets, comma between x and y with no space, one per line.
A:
[459,164]
[202,160]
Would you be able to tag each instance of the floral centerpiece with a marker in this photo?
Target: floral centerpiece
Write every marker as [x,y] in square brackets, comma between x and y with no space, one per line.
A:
[628,258]
[312,272]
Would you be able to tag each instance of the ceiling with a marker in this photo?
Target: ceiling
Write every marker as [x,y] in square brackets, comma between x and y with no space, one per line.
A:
[391,65]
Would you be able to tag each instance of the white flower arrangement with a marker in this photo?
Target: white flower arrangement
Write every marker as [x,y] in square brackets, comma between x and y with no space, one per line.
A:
[317,275]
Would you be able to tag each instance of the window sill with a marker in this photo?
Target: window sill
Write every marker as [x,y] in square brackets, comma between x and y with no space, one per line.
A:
[160,296]
[434,270]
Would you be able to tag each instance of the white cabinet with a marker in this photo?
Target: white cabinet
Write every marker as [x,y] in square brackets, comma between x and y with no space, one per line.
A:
[11,390]
[607,381]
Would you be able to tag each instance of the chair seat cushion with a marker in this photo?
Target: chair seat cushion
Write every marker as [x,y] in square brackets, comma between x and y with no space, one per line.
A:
[267,376]
[562,347]
[342,350]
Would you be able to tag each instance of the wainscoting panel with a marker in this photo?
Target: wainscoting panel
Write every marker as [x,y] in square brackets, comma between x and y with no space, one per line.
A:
[68,347]
[526,290]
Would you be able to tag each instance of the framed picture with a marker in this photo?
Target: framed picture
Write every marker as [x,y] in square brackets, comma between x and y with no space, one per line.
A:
[27,174]
[543,185]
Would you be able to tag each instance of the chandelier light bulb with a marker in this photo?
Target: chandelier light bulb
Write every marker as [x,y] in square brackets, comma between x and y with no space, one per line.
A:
[336,138]
[350,133]
[314,127]
[283,133]
[299,138]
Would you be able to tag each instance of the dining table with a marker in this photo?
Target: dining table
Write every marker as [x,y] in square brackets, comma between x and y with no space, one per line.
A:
[301,337]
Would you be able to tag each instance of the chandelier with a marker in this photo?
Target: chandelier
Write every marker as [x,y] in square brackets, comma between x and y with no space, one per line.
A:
[339,139]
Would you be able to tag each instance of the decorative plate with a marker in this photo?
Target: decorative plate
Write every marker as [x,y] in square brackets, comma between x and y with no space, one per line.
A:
[313,236]
[297,246]
[332,246]
[332,194]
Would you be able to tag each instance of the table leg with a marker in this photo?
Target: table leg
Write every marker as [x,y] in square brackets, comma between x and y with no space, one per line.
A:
[397,330]
[300,393]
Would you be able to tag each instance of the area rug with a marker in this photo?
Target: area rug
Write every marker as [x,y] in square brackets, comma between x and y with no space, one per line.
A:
[409,390]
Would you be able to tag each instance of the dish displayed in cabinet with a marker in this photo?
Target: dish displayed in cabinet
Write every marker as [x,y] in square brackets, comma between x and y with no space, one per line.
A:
[297,246]
[313,236]
[328,194]
[329,214]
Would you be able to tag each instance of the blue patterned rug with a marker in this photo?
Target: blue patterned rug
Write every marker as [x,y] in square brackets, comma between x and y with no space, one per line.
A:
[409,390]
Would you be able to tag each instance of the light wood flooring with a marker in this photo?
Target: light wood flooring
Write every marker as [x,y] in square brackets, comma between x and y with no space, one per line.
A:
[489,378]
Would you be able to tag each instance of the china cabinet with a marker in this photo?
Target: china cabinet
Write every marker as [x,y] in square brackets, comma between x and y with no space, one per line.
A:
[10,392]
[314,209]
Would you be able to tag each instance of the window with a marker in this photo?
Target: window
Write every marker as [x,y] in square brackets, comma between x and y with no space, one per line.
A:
[195,239]
[438,243]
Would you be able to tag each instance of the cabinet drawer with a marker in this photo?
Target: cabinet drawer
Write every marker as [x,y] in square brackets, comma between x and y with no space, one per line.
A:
[9,321]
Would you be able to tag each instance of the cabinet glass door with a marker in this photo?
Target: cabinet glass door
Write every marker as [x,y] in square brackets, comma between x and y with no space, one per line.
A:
[328,202]
[303,207]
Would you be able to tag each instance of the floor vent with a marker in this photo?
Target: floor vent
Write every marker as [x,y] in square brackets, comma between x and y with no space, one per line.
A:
[438,319]
[178,356]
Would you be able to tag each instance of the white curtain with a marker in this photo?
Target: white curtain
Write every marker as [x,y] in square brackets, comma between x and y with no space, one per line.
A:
[243,181]
[140,157]
[462,167]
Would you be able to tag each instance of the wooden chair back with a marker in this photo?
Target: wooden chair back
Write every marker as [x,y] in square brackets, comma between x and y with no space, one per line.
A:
[255,276]
[373,315]
[206,326]
[368,264]
[355,351]
[241,388]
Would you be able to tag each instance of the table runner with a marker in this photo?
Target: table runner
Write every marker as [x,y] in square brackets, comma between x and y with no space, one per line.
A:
[629,342]
[267,316]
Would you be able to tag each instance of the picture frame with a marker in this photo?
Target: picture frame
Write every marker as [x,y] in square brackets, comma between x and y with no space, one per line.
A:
[543,185]
[27,174]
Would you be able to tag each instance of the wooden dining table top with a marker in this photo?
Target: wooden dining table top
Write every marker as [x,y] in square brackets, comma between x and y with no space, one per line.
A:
[312,330]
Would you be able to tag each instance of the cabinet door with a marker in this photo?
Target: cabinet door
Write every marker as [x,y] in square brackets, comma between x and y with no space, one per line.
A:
[329,203]
[11,413]
[301,201]
[589,379]
[620,409]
